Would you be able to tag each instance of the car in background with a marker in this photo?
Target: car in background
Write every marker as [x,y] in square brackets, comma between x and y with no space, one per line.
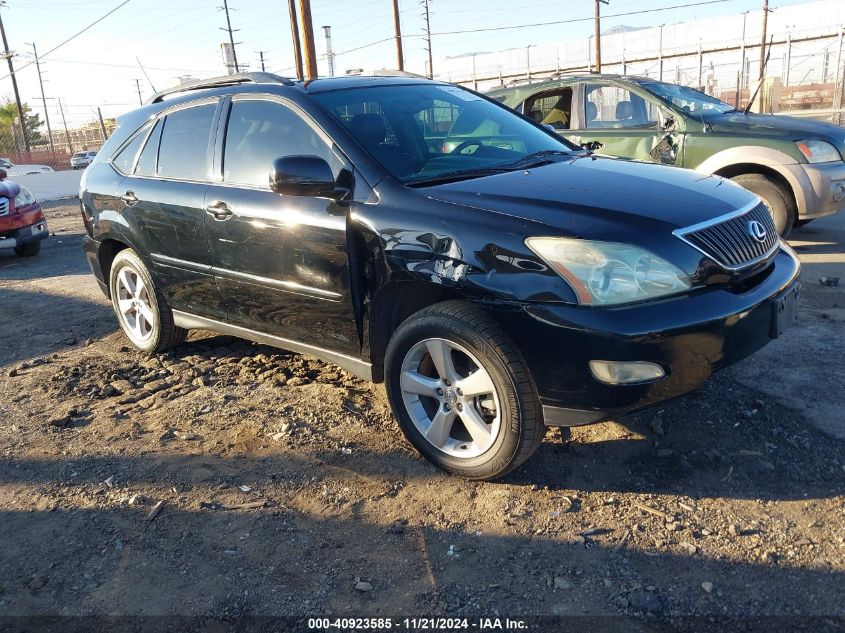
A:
[5,163]
[81,160]
[795,165]
[506,283]
[22,222]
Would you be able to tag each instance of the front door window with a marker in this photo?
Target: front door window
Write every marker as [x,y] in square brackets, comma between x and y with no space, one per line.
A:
[551,108]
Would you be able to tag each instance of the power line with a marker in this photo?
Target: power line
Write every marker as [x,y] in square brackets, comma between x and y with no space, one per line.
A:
[572,20]
[523,26]
[71,38]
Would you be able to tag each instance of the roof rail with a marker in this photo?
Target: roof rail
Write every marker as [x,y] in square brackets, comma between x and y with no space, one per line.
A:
[217,82]
[389,72]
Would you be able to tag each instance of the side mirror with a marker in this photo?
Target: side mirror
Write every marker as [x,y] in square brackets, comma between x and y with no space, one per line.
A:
[304,176]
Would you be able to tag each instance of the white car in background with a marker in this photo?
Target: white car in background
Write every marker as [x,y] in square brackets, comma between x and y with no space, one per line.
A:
[81,160]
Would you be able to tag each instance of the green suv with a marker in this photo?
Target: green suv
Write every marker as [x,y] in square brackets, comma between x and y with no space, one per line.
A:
[795,165]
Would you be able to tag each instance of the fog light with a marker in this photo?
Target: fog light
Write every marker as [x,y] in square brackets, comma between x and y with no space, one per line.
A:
[625,373]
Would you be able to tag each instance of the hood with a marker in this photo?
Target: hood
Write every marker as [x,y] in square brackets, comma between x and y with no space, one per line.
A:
[9,189]
[775,125]
[584,196]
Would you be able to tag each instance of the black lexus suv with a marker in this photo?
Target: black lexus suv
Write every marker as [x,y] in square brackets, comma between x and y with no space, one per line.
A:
[497,279]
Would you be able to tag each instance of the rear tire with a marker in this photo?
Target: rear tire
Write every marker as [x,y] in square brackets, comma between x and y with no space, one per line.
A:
[458,350]
[28,250]
[141,309]
[776,198]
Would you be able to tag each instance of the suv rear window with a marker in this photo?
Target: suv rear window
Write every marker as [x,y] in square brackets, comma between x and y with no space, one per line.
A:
[183,150]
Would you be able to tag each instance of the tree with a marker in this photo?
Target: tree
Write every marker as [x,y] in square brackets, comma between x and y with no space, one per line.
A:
[10,139]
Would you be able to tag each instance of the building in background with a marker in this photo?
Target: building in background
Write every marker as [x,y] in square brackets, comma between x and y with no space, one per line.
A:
[86,137]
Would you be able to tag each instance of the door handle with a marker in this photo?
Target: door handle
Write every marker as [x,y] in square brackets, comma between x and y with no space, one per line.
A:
[129,198]
[219,210]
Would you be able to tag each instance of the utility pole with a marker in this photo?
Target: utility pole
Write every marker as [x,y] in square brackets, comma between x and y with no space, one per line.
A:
[231,36]
[43,99]
[397,29]
[327,30]
[840,101]
[297,48]
[64,122]
[8,55]
[261,57]
[427,18]
[763,40]
[102,125]
[660,54]
[311,71]
[138,87]
[598,33]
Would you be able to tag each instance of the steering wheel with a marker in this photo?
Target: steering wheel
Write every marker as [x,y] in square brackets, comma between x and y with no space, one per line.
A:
[468,143]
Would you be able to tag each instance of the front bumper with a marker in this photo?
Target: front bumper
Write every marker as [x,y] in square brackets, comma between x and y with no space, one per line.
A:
[822,188]
[24,235]
[691,337]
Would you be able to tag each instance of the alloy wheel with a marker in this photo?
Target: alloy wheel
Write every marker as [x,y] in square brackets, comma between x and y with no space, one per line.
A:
[450,397]
[135,309]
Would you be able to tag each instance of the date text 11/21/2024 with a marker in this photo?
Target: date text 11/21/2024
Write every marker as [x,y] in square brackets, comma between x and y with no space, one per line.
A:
[416,624]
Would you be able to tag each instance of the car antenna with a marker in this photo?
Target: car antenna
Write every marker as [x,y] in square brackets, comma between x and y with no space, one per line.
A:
[762,74]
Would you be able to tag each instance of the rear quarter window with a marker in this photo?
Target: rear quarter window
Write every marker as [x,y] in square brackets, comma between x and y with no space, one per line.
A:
[125,157]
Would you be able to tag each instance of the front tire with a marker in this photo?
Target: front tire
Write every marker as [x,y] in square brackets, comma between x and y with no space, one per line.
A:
[141,309]
[28,250]
[777,200]
[462,393]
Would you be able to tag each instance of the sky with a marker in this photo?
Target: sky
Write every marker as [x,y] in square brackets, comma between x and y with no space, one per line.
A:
[172,38]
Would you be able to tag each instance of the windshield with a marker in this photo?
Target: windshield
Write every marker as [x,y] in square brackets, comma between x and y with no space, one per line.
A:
[423,132]
[688,99]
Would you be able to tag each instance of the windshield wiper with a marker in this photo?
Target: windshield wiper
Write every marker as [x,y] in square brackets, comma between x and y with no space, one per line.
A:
[531,160]
[459,174]
[535,159]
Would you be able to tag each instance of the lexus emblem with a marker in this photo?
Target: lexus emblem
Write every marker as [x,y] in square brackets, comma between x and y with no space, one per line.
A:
[757,230]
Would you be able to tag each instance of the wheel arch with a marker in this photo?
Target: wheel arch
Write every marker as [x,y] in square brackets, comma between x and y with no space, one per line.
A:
[393,304]
[109,248]
[739,169]
[765,161]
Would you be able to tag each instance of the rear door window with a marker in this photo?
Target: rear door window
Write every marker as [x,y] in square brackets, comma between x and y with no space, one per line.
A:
[616,107]
[146,165]
[183,149]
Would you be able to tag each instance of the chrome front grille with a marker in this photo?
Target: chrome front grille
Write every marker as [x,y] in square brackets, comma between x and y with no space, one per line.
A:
[4,206]
[737,240]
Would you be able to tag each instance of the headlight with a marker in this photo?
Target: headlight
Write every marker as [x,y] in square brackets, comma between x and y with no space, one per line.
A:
[24,197]
[607,273]
[818,151]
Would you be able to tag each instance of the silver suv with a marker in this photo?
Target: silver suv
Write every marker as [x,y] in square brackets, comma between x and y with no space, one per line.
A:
[81,160]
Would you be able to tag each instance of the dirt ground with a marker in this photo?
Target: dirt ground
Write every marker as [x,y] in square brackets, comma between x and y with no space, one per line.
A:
[229,479]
